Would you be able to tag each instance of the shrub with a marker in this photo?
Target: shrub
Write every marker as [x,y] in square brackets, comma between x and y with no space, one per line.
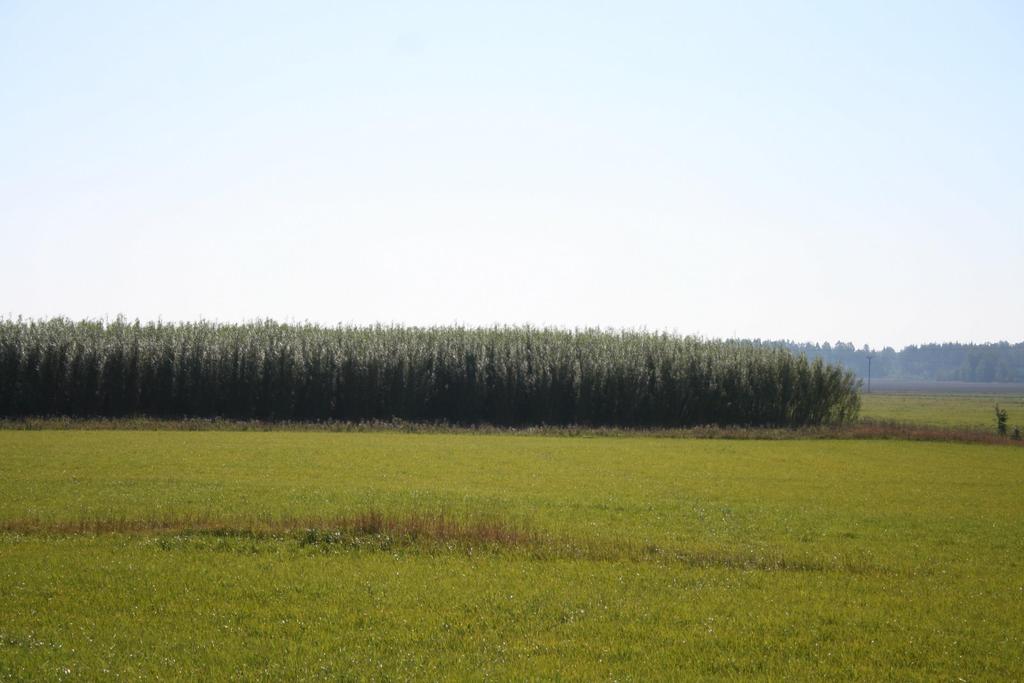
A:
[1001,418]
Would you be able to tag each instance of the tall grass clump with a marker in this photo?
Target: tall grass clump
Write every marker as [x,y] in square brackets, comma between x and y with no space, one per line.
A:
[506,376]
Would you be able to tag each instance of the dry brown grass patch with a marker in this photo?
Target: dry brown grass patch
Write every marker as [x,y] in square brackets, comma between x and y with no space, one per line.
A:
[863,429]
[375,530]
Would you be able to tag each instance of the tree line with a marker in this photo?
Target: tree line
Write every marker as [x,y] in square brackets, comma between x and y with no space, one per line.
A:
[499,375]
[996,362]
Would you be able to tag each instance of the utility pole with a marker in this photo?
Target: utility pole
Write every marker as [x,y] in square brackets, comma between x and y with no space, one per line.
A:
[870,356]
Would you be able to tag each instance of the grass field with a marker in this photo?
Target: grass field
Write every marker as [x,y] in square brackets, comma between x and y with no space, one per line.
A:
[590,558]
[943,410]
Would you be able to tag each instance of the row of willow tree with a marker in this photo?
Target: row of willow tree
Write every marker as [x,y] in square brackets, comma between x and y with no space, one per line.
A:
[500,375]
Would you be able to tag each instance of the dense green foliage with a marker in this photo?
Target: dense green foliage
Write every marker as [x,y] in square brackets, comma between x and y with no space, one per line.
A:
[503,376]
[760,560]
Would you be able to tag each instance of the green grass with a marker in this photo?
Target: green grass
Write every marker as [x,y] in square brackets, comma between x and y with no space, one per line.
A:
[942,410]
[658,558]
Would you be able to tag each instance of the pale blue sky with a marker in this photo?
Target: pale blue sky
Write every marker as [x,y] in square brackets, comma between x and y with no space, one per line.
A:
[815,171]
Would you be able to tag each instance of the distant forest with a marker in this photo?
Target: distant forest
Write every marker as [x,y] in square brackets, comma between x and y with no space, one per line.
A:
[998,362]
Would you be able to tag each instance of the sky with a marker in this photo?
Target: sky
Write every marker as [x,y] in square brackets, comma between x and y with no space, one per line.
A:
[811,171]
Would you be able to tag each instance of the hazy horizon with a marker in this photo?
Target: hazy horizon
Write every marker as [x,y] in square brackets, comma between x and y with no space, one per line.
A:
[788,172]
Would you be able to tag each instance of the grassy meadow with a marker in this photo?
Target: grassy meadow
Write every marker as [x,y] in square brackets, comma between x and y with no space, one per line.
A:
[375,556]
[943,410]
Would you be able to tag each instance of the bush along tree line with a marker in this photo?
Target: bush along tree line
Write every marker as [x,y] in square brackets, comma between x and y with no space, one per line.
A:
[502,375]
